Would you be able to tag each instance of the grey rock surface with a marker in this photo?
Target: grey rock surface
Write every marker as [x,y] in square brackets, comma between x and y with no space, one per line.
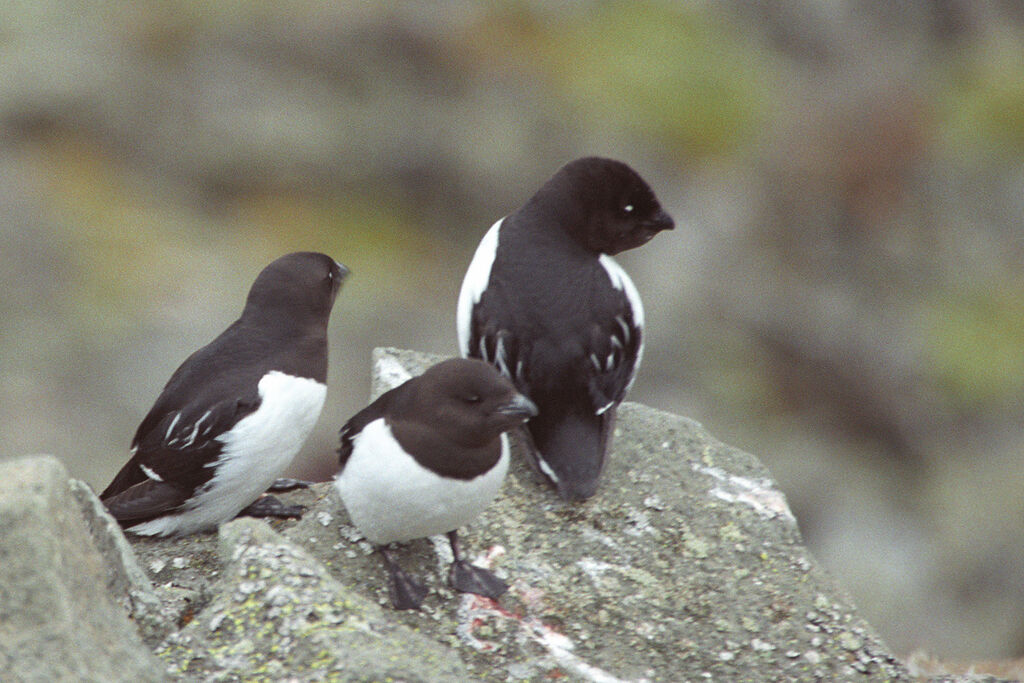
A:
[59,619]
[686,566]
[127,582]
[277,614]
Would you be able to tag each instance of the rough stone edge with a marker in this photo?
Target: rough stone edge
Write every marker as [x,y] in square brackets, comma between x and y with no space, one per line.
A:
[127,583]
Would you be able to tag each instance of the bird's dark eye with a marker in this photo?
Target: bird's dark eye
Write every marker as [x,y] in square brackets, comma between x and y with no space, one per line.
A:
[471,398]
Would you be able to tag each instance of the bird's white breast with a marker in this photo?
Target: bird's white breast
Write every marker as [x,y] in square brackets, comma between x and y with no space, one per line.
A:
[255,452]
[474,283]
[390,497]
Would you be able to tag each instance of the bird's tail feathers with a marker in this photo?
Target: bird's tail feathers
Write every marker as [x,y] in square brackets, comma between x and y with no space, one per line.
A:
[571,450]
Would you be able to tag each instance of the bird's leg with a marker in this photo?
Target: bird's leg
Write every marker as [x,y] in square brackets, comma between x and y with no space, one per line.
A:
[468,578]
[284,484]
[530,451]
[405,590]
[268,506]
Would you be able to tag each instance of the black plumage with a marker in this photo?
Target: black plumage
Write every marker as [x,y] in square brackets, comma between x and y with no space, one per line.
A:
[544,302]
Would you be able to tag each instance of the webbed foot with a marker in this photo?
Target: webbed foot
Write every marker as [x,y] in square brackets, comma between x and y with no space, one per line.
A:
[268,506]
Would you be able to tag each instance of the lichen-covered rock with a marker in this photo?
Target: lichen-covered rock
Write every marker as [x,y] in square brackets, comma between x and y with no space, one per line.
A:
[59,620]
[277,614]
[687,565]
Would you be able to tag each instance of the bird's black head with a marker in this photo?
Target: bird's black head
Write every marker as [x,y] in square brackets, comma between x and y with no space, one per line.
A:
[605,205]
[471,401]
[301,286]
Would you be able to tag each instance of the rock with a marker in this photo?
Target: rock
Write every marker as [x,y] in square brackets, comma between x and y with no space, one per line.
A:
[687,565]
[126,581]
[279,614]
[58,618]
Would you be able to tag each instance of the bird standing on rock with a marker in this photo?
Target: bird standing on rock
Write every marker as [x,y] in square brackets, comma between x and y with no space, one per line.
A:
[426,458]
[235,413]
[544,302]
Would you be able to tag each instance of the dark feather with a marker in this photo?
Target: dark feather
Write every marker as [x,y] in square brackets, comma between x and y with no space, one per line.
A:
[145,500]
[554,312]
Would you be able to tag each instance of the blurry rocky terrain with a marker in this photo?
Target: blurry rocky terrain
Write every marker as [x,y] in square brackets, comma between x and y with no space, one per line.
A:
[843,293]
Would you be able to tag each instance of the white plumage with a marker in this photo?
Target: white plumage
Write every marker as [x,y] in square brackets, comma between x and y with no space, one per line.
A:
[621,281]
[255,452]
[474,283]
[392,498]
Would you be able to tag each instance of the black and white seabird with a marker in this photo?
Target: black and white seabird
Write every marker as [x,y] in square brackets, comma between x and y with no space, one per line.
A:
[426,458]
[544,301]
[235,413]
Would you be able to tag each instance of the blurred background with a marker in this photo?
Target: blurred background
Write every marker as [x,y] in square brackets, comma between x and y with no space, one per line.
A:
[843,295]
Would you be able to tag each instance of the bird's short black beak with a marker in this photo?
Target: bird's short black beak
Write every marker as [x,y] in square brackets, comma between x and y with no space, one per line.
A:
[659,221]
[343,271]
[520,406]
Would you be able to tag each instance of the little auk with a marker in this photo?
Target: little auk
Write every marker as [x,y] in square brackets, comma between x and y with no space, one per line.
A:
[426,458]
[235,413]
[544,302]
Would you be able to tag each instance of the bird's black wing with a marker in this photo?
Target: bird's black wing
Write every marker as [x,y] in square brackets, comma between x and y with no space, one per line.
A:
[171,454]
[493,341]
[612,355]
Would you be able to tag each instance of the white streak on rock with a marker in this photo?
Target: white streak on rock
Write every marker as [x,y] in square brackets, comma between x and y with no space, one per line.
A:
[764,498]
[475,610]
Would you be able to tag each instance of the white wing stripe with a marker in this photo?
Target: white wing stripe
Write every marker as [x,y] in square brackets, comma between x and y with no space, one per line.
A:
[203,418]
[150,473]
[620,280]
[190,440]
[170,429]
[499,357]
[626,334]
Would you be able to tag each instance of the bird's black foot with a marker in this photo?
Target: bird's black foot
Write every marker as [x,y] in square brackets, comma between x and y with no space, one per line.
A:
[268,506]
[468,578]
[405,590]
[282,485]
